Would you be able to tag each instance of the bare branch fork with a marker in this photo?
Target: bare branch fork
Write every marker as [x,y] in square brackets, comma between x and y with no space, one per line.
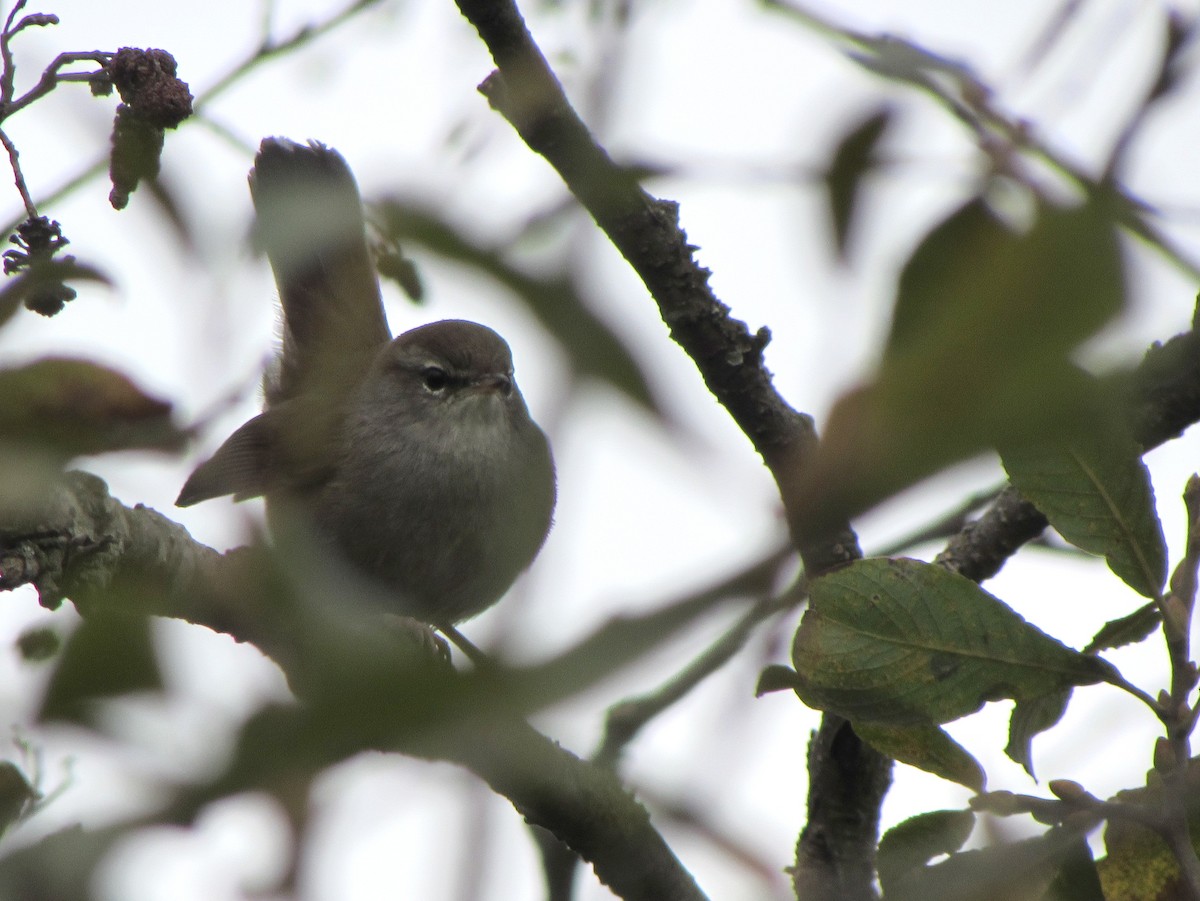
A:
[51,78]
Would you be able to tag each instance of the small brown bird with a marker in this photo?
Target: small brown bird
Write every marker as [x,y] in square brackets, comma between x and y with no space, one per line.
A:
[414,459]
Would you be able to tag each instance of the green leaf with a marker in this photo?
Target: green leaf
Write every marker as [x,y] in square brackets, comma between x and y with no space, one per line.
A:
[1098,496]
[1128,629]
[986,319]
[853,159]
[912,844]
[775,677]
[927,748]
[1029,718]
[108,656]
[902,643]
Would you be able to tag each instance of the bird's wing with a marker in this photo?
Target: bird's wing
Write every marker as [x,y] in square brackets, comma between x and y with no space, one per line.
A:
[311,225]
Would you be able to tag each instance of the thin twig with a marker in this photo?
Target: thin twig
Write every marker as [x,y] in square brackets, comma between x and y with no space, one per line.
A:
[267,50]
[646,231]
[18,175]
[9,72]
[52,77]
[627,718]
[1179,35]
[973,106]
[944,526]
[95,169]
[1051,34]
[691,813]
[1115,679]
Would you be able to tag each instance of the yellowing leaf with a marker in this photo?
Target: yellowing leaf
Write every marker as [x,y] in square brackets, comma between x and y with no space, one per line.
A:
[984,324]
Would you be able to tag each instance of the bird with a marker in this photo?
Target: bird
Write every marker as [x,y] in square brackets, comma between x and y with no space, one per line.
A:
[412,459]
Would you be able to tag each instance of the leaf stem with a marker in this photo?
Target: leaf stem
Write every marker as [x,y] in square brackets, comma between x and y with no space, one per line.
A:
[1117,680]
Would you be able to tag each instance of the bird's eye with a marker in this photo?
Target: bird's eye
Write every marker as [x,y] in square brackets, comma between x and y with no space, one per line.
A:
[435,379]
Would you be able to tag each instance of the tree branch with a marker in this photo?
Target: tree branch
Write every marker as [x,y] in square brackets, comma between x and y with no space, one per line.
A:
[82,542]
[846,785]
[110,558]
[646,231]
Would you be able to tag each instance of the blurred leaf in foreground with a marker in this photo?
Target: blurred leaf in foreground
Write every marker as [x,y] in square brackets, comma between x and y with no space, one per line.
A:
[912,844]
[108,656]
[985,320]
[72,407]
[853,159]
